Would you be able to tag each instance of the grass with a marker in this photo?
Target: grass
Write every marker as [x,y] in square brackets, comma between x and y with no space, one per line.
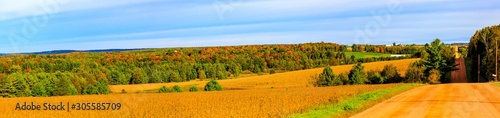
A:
[496,84]
[355,104]
[295,79]
[366,54]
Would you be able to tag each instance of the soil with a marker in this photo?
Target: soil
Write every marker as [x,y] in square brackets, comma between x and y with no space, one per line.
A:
[460,75]
[478,100]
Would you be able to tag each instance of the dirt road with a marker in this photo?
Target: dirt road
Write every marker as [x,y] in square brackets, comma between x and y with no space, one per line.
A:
[460,75]
[446,100]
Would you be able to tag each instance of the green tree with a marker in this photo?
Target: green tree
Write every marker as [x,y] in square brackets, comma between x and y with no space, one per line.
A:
[39,90]
[441,58]
[138,77]
[91,89]
[102,87]
[201,74]
[174,77]
[213,85]
[327,78]
[64,87]
[357,75]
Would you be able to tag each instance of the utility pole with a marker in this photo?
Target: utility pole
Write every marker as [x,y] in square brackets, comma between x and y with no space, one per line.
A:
[496,61]
[478,67]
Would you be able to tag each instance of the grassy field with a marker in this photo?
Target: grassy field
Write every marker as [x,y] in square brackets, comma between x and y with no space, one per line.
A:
[241,103]
[366,54]
[295,79]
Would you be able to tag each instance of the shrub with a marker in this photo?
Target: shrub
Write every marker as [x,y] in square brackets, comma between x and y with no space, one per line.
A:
[272,71]
[123,91]
[344,78]
[177,88]
[164,89]
[193,88]
[213,86]
[415,74]
[375,78]
[391,73]
[434,76]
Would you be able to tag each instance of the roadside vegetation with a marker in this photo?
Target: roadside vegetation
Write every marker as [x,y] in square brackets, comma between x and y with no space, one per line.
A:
[352,105]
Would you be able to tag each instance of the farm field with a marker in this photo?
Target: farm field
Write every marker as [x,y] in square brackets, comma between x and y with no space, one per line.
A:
[444,100]
[367,54]
[243,103]
[295,79]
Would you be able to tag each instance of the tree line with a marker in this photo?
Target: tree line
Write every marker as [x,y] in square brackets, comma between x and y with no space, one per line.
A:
[436,64]
[481,51]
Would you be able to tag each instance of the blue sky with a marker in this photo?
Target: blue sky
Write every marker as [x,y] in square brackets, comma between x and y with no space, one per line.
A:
[31,26]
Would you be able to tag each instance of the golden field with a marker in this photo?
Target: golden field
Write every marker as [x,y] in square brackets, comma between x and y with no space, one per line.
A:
[295,79]
[236,103]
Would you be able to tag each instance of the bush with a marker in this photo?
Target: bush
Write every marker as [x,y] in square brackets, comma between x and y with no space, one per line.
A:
[164,89]
[272,71]
[193,89]
[415,74]
[391,73]
[123,91]
[344,78]
[375,78]
[177,88]
[213,86]
[434,76]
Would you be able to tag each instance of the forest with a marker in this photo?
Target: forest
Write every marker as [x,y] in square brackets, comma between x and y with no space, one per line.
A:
[481,50]
[76,73]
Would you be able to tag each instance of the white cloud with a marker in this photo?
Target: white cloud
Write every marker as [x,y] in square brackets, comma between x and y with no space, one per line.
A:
[11,9]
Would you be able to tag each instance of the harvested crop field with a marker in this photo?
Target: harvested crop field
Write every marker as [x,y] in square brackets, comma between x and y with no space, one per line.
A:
[295,79]
[243,103]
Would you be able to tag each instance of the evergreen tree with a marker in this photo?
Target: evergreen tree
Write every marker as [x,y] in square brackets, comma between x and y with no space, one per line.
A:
[357,75]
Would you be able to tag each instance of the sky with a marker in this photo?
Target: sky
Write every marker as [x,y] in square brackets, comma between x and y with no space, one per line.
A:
[44,25]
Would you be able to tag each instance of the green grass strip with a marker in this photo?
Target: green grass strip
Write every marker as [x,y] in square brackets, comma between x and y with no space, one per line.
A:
[496,83]
[356,103]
